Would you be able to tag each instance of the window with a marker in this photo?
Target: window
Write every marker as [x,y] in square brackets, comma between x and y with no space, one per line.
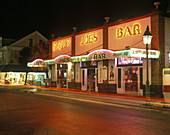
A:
[30,42]
[40,42]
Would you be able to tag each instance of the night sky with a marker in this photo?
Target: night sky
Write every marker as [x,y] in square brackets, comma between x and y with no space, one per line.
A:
[21,17]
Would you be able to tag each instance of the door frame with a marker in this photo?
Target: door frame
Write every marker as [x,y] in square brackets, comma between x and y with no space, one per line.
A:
[84,80]
[96,79]
[121,90]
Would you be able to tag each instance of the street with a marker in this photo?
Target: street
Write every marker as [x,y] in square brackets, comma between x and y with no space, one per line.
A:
[30,114]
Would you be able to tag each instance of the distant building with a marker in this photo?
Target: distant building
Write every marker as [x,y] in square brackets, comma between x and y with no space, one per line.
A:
[12,70]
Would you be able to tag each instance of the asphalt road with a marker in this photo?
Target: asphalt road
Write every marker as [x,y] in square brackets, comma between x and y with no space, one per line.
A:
[29,114]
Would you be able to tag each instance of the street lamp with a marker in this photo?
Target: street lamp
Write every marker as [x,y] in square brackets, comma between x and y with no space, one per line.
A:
[147,37]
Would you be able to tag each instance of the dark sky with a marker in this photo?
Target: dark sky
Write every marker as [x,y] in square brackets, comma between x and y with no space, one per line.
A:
[21,17]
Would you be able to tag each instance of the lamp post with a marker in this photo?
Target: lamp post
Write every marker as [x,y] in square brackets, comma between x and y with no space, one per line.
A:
[147,37]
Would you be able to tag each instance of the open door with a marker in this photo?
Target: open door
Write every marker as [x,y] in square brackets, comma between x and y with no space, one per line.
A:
[83,79]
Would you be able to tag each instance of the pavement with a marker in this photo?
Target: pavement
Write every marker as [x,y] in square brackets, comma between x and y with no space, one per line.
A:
[87,96]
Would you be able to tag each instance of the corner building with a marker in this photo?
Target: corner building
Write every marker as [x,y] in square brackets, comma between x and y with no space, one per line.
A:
[112,58]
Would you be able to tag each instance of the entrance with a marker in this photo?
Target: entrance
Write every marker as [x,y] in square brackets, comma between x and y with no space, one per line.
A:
[130,80]
[62,78]
[89,79]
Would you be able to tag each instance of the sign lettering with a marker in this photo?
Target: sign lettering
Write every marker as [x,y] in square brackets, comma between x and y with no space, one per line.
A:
[89,39]
[135,29]
[58,45]
[99,56]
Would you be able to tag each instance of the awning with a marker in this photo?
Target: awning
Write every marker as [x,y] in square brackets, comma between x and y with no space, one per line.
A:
[103,54]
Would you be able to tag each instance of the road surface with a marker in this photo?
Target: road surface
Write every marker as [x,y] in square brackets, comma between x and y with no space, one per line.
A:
[29,114]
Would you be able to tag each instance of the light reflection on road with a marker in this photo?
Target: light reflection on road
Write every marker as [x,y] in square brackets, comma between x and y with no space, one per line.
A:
[34,115]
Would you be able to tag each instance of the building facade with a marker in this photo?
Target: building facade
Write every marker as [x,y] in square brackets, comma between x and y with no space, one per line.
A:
[12,70]
[112,58]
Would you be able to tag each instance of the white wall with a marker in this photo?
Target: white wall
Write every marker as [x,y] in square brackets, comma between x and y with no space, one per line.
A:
[69,72]
[100,69]
[77,72]
[54,72]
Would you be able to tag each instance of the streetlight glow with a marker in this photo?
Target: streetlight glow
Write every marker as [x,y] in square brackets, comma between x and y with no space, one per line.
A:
[147,37]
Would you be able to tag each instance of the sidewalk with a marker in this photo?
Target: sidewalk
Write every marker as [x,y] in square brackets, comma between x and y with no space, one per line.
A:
[77,94]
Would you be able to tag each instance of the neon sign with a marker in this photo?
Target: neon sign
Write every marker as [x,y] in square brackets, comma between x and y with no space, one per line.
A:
[58,45]
[49,62]
[129,60]
[89,39]
[134,55]
[124,53]
[100,54]
[36,63]
[62,59]
[142,53]
[135,29]
[79,58]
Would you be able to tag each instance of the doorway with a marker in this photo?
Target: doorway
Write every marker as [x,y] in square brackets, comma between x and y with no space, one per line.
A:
[62,78]
[89,79]
[129,80]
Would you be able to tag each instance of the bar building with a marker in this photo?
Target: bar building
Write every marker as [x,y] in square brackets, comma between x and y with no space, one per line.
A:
[112,58]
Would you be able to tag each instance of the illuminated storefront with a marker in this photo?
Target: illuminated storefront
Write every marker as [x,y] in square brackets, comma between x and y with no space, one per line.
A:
[12,78]
[110,58]
[38,76]
[60,62]
[123,73]
[18,78]
[60,70]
